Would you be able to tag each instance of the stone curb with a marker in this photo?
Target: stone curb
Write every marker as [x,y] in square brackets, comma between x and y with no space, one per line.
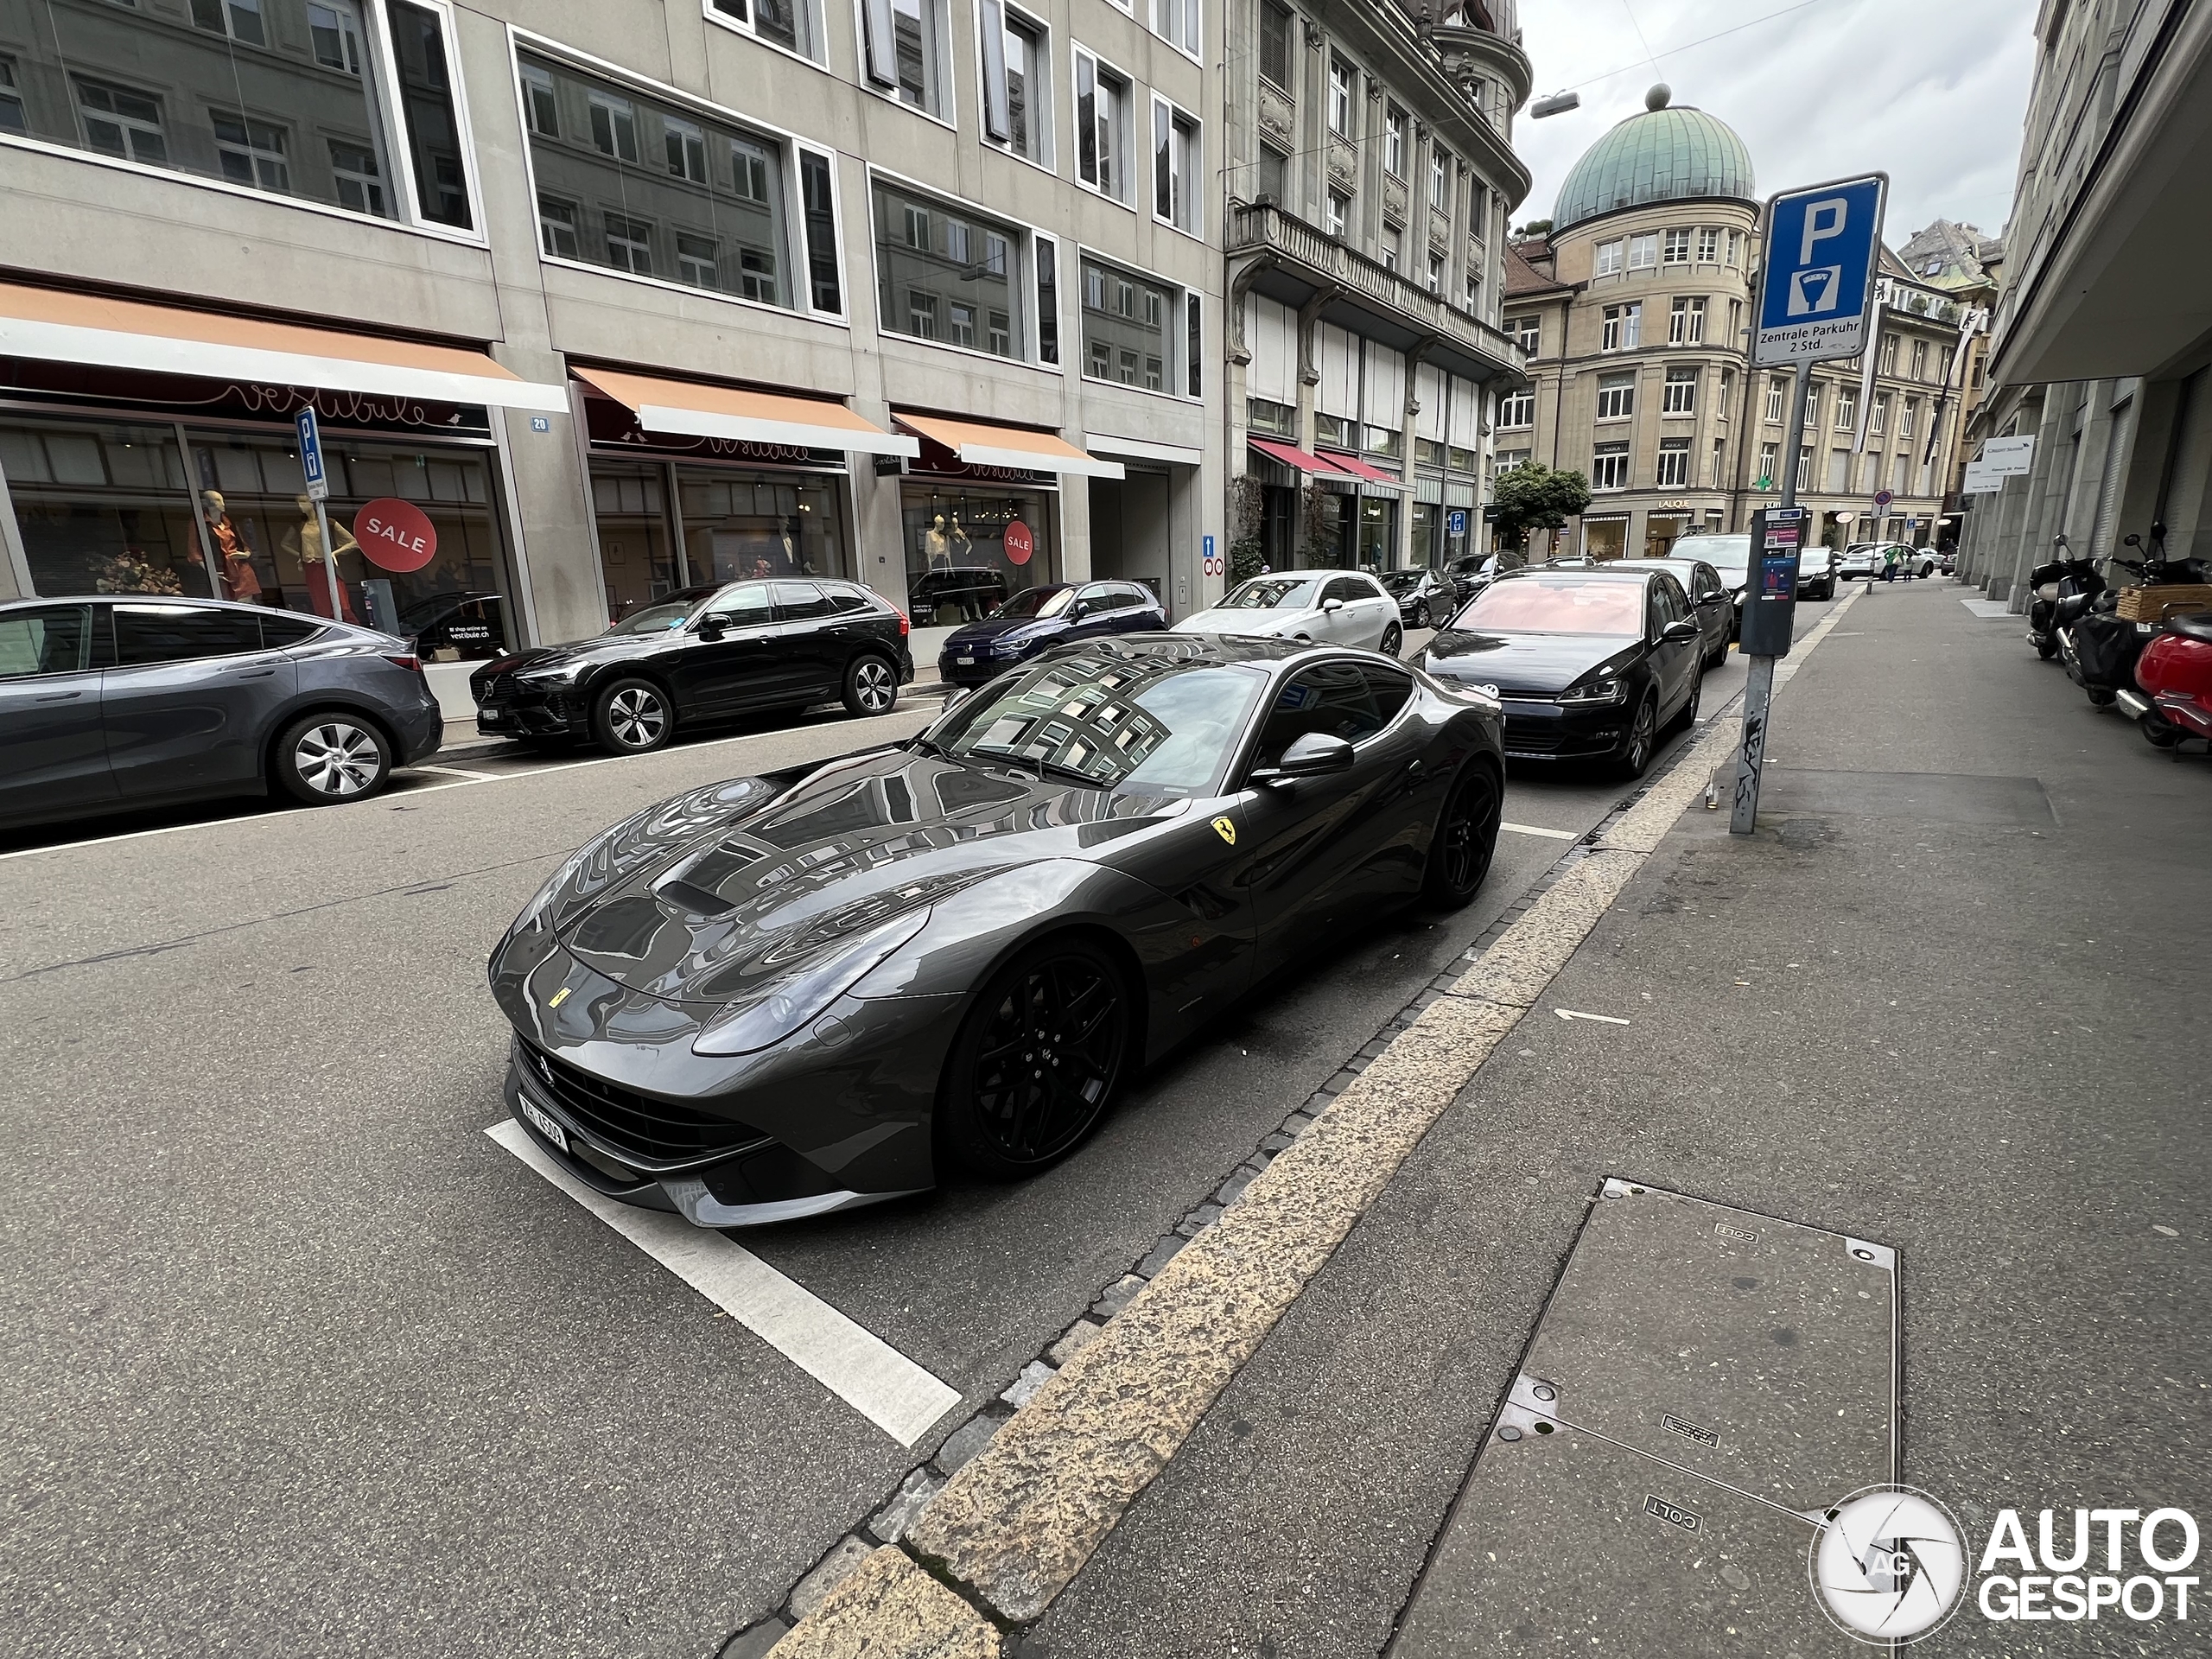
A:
[1015,1523]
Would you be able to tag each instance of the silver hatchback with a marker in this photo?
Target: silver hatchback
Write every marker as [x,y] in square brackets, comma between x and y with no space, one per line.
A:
[114,701]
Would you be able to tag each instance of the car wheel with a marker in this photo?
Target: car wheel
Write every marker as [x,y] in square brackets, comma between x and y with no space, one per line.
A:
[1466,838]
[1038,1060]
[1635,754]
[871,686]
[1421,614]
[328,758]
[1393,637]
[632,717]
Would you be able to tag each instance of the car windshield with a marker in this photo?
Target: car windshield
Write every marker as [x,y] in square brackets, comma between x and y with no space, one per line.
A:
[1727,554]
[1403,582]
[1163,726]
[1036,601]
[1545,605]
[657,619]
[1274,594]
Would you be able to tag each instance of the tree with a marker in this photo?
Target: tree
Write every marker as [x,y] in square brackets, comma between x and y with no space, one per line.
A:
[1534,497]
[1536,227]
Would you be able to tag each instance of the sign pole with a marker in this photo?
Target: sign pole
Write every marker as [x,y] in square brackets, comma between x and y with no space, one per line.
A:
[329,562]
[1758,688]
[318,482]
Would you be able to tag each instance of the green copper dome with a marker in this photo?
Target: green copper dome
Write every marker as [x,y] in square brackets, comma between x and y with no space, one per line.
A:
[1663,154]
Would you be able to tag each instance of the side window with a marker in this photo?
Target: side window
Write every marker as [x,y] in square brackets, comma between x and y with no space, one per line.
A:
[178,633]
[1140,596]
[1333,698]
[1389,687]
[1342,587]
[1671,595]
[799,602]
[278,630]
[845,600]
[745,606]
[55,640]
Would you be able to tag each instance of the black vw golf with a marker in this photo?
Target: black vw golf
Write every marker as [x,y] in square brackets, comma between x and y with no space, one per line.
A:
[1589,662]
[783,996]
[702,655]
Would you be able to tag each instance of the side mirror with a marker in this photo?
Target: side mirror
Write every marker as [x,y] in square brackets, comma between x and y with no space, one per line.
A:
[953,698]
[1330,607]
[1685,629]
[1311,755]
[711,628]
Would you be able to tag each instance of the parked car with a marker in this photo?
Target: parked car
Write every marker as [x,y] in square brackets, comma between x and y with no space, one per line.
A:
[1337,607]
[109,702]
[1469,573]
[740,648]
[957,952]
[1592,662]
[456,627]
[1861,561]
[1730,555]
[1037,619]
[969,592]
[1425,597]
[1709,598]
[1816,569]
[1925,561]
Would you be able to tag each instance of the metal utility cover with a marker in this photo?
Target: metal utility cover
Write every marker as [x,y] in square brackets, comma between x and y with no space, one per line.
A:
[1754,1351]
[1563,1541]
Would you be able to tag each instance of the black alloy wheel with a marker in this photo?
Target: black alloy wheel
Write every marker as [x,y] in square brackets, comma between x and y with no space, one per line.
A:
[871,686]
[1394,638]
[1459,852]
[331,757]
[1635,754]
[1421,614]
[632,717]
[1038,1060]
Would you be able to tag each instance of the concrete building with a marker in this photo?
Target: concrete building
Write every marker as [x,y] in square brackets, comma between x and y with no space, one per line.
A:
[612,298]
[2103,331]
[1634,309]
[1964,264]
[1370,171]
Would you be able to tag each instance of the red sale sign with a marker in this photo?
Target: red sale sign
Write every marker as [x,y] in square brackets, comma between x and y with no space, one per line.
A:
[1018,543]
[395,535]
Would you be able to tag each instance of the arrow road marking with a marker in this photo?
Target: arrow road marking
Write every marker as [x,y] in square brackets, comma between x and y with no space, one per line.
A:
[1576,1013]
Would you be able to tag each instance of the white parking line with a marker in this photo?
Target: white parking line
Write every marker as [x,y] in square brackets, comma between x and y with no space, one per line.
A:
[1538,830]
[867,1373]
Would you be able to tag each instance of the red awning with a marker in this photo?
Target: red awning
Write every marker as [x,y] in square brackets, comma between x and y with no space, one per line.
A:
[1291,455]
[1360,469]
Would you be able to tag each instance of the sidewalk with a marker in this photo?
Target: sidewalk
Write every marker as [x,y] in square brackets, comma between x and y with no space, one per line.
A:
[1947,999]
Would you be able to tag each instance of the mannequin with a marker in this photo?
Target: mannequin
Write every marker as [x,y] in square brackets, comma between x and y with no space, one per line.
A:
[938,546]
[305,544]
[232,554]
[963,549]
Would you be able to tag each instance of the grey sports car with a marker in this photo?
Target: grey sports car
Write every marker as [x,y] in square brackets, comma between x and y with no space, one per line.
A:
[783,996]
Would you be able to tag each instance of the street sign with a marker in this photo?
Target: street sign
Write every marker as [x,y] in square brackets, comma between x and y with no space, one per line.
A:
[1455,522]
[1209,565]
[311,454]
[1822,246]
[1882,498]
[1982,478]
[2009,457]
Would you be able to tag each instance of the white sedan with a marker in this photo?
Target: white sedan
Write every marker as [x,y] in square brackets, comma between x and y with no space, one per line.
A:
[1335,607]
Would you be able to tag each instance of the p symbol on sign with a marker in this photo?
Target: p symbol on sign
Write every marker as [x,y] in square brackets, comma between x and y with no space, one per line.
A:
[1823,220]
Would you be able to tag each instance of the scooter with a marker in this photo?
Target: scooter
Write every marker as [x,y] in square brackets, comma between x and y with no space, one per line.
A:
[2175,672]
[2064,590]
[2101,647]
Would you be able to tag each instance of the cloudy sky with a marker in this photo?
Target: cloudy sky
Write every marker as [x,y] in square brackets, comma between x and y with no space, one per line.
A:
[1932,91]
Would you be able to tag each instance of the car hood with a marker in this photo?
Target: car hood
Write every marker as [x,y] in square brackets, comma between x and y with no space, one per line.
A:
[995,627]
[1265,623]
[575,651]
[1542,663]
[707,897]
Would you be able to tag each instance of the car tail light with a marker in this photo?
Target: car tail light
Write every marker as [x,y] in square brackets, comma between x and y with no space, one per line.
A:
[906,627]
[415,663]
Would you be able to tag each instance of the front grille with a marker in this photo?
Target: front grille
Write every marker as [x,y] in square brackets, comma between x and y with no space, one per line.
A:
[641,1129]
[497,688]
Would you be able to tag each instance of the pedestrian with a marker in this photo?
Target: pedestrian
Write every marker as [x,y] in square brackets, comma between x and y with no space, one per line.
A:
[1890,559]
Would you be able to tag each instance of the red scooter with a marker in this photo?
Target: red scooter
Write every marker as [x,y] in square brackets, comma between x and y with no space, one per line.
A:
[2175,671]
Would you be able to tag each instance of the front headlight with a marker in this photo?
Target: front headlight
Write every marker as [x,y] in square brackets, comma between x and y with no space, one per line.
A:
[552,674]
[776,1010]
[1604,689]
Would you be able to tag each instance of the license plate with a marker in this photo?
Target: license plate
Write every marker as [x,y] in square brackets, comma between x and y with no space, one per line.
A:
[491,717]
[543,1124]
[965,662]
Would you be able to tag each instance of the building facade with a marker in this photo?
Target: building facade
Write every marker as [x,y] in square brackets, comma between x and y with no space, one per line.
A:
[1370,170]
[616,298]
[1636,307]
[2100,345]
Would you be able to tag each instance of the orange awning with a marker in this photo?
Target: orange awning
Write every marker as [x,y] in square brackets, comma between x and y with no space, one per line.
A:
[980,443]
[62,327]
[692,410]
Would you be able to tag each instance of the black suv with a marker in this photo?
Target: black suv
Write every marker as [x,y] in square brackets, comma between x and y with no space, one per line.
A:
[695,658]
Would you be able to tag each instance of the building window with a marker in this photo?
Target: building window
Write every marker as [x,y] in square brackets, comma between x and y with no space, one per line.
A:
[1175,166]
[1919,359]
[1719,464]
[1621,328]
[1878,415]
[1644,251]
[1727,393]
[1616,397]
[1176,21]
[1340,74]
[1102,127]
[1194,344]
[1340,213]
[251,153]
[1678,248]
[360,187]
[1889,359]
[1686,322]
[1528,333]
[1674,463]
[11,100]
[1611,256]
[926,252]
[1474,291]
[1680,395]
[1436,275]
[1272,180]
[1769,458]
[1708,246]
[906,52]
[1899,471]
[1778,390]
[1275,25]
[1393,245]
[1017,81]
[1907,417]
[717,194]
[1839,471]
[1439,180]
[1804,468]
[1394,142]
[239,19]
[1735,247]
[1943,367]
[1847,408]
[1735,340]
[1517,410]
[791,24]
[1609,467]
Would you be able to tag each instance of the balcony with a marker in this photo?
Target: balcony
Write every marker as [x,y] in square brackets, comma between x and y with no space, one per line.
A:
[1299,262]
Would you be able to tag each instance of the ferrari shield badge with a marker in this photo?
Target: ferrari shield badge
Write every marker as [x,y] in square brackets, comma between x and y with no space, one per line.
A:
[558,997]
[1226,830]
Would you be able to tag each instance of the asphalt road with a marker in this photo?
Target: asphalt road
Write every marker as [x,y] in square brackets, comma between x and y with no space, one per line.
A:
[298,1360]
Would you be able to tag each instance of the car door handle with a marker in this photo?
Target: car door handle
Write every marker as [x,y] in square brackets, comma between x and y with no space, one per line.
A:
[58,696]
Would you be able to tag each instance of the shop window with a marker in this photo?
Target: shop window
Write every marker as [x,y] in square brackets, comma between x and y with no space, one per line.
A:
[793,25]
[629,503]
[904,50]
[958,566]
[1124,322]
[743,526]
[926,252]
[103,509]
[1017,81]
[1102,127]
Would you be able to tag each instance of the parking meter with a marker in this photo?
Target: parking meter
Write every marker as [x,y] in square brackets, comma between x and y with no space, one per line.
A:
[1770,606]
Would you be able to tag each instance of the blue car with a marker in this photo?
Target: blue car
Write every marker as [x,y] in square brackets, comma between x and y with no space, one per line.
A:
[1036,619]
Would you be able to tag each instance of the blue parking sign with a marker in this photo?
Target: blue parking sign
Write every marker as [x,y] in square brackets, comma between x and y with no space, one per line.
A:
[311,454]
[1822,246]
[1455,522]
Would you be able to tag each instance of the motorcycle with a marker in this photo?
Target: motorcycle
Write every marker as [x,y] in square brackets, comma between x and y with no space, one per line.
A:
[2101,647]
[2175,672]
[2064,590]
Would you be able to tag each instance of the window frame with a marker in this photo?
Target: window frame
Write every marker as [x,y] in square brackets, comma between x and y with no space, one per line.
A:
[1675,237]
[1509,405]
[1343,81]
[1276,9]
[1609,258]
[948,99]
[790,147]
[1195,16]
[1192,169]
[817,31]
[1101,64]
[1042,124]
[1612,449]
[1397,147]
[1687,377]
[1686,320]
[1177,365]
[1678,449]
[1022,252]
[1639,243]
[1621,395]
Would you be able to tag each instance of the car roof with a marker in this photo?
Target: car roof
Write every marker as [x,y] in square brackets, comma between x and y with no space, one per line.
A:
[1612,570]
[1203,648]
